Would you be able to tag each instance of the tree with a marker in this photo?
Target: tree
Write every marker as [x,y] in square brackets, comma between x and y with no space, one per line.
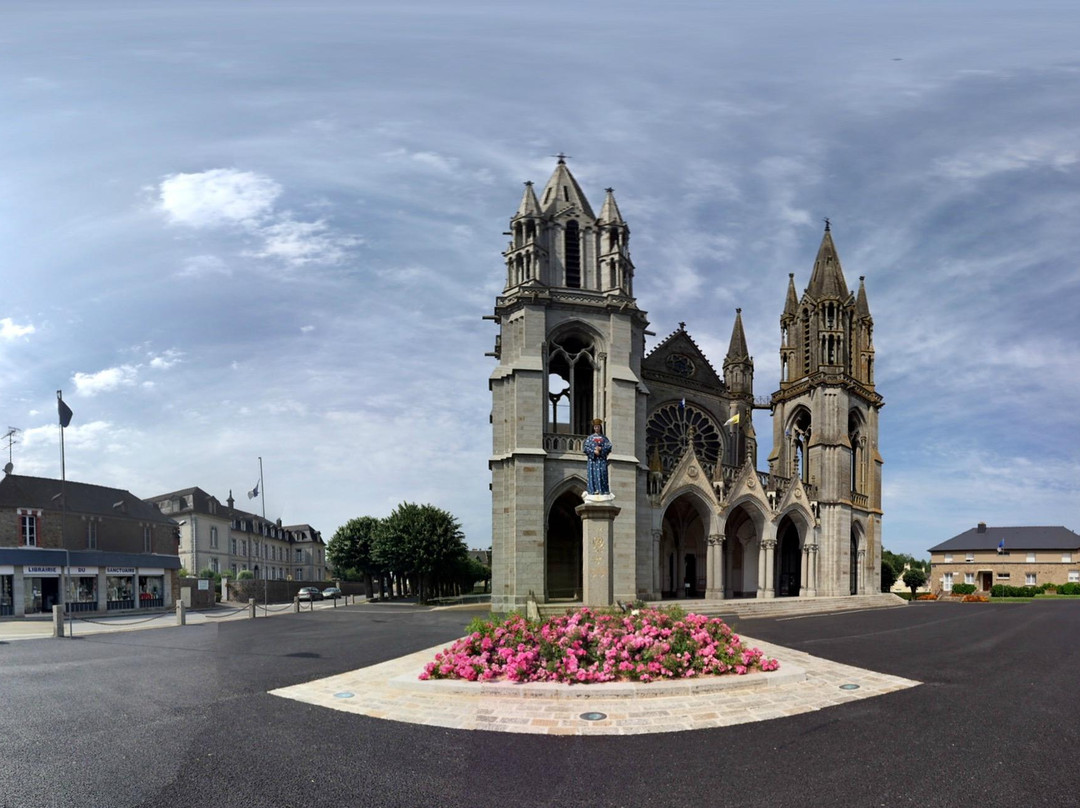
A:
[420,543]
[913,579]
[888,576]
[349,551]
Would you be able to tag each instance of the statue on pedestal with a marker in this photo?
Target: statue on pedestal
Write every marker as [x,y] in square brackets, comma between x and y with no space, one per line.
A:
[597,448]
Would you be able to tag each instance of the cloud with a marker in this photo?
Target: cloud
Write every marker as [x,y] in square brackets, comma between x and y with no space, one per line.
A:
[306,329]
[90,384]
[220,195]
[1008,156]
[303,243]
[227,197]
[166,359]
[11,330]
[202,266]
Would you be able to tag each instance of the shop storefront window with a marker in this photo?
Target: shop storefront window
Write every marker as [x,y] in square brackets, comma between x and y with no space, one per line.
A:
[121,592]
[82,593]
[7,598]
[151,591]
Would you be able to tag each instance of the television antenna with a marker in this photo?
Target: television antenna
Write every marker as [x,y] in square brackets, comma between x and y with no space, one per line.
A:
[10,438]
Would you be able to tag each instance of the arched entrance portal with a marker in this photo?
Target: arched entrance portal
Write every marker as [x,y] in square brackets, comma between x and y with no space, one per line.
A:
[789,561]
[682,550]
[741,548]
[563,550]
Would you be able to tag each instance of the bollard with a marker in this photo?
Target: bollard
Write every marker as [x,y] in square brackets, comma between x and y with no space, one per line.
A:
[181,614]
[251,608]
[58,621]
[296,604]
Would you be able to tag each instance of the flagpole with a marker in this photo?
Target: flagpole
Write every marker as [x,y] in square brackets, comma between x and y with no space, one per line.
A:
[262,489]
[60,407]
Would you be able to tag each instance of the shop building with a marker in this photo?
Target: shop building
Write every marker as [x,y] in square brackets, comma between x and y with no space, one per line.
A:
[87,547]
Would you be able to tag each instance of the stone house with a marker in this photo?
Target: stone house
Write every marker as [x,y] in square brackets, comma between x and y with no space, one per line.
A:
[1014,556]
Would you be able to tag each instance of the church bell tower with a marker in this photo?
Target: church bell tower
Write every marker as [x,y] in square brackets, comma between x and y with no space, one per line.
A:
[825,420]
[569,350]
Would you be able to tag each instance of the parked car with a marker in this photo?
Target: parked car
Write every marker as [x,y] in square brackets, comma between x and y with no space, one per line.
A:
[309,593]
[331,593]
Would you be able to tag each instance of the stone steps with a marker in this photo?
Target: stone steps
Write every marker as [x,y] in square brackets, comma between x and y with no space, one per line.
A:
[751,607]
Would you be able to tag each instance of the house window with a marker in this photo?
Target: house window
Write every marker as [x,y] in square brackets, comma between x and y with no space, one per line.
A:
[1029,579]
[233,542]
[969,577]
[1074,576]
[1003,576]
[146,539]
[214,565]
[213,537]
[91,535]
[969,557]
[948,558]
[28,527]
[1031,558]
[946,582]
[1066,558]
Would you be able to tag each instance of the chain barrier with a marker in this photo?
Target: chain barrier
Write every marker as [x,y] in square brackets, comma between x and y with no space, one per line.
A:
[113,622]
[267,609]
[228,613]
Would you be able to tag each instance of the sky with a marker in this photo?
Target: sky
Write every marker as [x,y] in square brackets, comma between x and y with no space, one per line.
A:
[240,230]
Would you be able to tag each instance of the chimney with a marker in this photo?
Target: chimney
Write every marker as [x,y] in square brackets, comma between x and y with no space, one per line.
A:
[982,527]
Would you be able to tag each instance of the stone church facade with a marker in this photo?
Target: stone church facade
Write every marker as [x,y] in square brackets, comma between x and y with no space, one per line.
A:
[696,517]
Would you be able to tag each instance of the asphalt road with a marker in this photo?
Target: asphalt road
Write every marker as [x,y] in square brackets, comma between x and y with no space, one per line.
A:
[181,717]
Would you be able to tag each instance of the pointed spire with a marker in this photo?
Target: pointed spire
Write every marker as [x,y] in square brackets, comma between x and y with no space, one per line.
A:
[862,308]
[562,191]
[737,351]
[609,213]
[791,304]
[827,279]
[529,206]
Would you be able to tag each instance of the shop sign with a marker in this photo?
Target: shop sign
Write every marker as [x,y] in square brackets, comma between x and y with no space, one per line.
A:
[7,569]
[82,570]
[119,570]
[38,571]
[151,570]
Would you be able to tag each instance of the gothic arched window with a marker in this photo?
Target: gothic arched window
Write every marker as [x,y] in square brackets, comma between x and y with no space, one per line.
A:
[672,426]
[573,254]
[571,385]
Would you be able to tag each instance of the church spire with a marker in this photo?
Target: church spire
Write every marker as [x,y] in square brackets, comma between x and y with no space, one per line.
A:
[530,205]
[609,212]
[791,304]
[562,193]
[862,308]
[827,280]
[738,365]
[737,347]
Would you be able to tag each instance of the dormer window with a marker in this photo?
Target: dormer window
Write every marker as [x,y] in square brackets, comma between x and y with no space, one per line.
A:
[573,254]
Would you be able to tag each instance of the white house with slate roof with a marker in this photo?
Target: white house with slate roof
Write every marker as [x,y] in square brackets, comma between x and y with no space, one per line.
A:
[1014,556]
[693,514]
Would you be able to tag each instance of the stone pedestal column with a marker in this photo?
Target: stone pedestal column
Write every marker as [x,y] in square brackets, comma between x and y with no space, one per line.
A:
[769,548]
[714,586]
[597,529]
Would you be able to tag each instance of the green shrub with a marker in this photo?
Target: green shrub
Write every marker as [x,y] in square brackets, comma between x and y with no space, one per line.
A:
[963,589]
[1068,589]
[245,575]
[1005,591]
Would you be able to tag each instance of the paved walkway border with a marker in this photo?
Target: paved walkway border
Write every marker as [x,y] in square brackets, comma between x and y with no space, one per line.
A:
[392,690]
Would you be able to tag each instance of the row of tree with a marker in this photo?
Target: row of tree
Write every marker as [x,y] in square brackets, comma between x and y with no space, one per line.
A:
[418,551]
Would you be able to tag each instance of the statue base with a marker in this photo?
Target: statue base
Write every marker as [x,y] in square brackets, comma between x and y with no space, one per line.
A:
[598,560]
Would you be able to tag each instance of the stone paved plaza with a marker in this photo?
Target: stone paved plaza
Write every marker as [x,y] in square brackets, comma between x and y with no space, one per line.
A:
[392,690]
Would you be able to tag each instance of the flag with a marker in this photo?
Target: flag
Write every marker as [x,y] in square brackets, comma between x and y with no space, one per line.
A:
[254,492]
[732,420]
[682,403]
[1001,546]
[64,410]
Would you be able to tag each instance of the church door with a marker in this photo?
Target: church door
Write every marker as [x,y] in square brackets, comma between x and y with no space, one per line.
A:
[563,557]
[790,567]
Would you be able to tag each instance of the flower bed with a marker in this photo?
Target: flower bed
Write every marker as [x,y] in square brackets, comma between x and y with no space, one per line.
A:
[927,596]
[587,646]
[976,599]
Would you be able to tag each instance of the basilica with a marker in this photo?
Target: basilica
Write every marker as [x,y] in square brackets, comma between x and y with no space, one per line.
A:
[696,517]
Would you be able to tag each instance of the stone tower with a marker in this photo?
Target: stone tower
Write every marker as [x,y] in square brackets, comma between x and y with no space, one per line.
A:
[570,345]
[825,421]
